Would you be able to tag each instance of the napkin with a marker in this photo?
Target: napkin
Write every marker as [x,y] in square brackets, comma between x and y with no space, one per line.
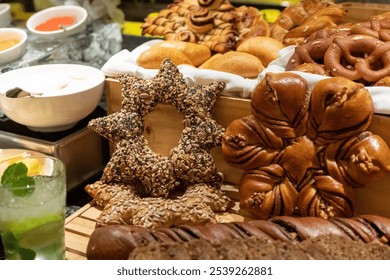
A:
[236,86]
[126,62]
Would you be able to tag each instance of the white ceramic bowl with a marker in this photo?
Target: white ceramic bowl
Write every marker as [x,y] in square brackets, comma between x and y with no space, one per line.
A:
[5,14]
[16,51]
[79,15]
[63,94]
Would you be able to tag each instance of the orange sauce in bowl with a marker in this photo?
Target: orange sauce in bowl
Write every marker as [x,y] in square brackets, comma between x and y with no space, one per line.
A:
[6,44]
[56,23]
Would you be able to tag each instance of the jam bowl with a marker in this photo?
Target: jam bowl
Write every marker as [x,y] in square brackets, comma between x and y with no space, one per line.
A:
[58,21]
[13,44]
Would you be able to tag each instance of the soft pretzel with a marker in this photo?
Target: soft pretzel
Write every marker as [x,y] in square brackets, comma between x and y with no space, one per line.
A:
[358,51]
[312,52]
[379,28]
[363,66]
[314,48]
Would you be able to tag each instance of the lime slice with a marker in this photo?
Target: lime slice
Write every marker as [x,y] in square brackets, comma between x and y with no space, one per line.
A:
[21,227]
[13,251]
[42,236]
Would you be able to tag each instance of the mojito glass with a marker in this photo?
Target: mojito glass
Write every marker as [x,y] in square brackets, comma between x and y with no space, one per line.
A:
[32,207]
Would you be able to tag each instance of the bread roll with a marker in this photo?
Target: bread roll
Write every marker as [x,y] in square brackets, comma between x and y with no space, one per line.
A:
[384,82]
[234,62]
[209,62]
[264,48]
[195,52]
[153,57]
[312,68]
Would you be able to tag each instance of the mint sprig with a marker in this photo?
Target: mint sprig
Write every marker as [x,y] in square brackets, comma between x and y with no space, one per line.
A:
[15,177]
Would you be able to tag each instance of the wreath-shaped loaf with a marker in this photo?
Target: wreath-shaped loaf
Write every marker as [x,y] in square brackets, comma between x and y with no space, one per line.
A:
[142,188]
[303,151]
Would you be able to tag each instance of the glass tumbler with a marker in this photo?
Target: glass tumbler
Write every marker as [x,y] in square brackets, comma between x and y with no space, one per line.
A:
[33,207]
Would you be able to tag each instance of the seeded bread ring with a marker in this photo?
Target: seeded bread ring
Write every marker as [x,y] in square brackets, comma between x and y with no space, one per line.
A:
[136,167]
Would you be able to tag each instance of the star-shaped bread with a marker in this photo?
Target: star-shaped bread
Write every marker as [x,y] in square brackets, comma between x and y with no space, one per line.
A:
[135,173]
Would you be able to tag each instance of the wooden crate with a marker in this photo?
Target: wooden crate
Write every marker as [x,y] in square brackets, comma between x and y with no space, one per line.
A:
[162,130]
[357,12]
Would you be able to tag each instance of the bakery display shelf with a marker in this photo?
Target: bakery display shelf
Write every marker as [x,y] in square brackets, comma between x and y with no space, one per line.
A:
[80,225]
[163,133]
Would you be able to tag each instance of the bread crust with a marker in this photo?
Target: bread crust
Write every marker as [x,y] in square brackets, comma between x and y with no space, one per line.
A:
[234,62]
[153,57]
[264,48]
[195,52]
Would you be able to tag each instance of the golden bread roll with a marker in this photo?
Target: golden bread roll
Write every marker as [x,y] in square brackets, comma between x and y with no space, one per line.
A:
[234,62]
[384,82]
[264,48]
[195,52]
[208,62]
[312,68]
[152,57]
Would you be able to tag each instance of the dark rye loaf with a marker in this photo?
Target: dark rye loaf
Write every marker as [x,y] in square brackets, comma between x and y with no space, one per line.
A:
[252,248]
[118,241]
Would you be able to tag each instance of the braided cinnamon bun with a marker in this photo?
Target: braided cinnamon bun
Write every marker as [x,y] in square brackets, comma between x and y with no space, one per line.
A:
[359,161]
[338,99]
[271,104]
[182,34]
[303,151]
[210,4]
[200,21]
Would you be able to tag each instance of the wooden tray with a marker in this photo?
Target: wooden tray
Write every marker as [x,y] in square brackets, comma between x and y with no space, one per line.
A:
[80,225]
[78,228]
